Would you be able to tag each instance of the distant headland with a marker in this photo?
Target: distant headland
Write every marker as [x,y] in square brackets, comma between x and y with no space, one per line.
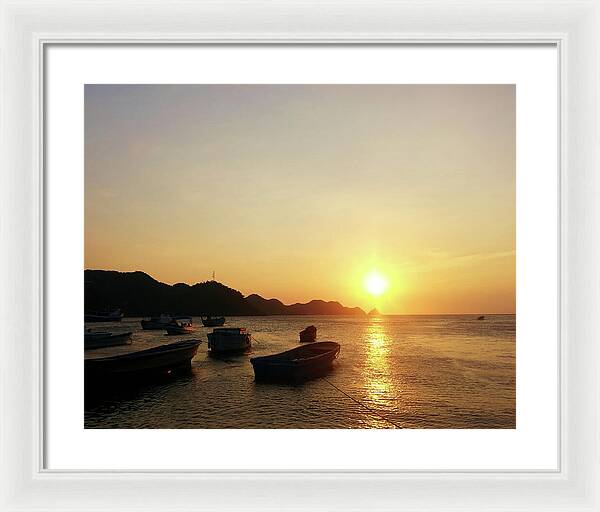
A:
[138,294]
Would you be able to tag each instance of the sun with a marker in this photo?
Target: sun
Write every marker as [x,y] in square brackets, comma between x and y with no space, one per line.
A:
[375,283]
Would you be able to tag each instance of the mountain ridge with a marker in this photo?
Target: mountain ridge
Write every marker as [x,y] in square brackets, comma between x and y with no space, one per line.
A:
[139,294]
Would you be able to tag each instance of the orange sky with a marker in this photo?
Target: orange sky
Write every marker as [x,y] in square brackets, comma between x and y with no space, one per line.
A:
[298,192]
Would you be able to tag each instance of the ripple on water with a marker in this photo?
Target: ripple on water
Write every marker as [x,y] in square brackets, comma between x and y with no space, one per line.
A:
[414,372]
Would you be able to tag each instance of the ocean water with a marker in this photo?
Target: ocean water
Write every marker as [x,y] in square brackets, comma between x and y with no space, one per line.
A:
[392,372]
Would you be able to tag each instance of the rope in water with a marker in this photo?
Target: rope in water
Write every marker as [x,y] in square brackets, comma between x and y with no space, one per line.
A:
[255,339]
[372,411]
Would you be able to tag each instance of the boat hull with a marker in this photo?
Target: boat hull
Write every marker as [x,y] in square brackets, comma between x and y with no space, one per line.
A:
[308,338]
[296,365]
[308,335]
[150,325]
[164,360]
[213,322]
[230,343]
[174,331]
[110,340]
[102,318]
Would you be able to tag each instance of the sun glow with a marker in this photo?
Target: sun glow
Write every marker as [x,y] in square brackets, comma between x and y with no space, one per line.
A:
[376,284]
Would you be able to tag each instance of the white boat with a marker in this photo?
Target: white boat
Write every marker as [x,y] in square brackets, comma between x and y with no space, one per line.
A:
[101,339]
[229,339]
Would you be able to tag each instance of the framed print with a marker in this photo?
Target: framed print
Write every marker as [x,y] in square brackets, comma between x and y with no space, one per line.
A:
[332,258]
[470,354]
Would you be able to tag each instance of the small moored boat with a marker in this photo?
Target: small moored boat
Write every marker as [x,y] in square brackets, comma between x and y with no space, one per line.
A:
[101,339]
[211,321]
[103,316]
[164,359]
[308,335]
[229,339]
[180,325]
[297,365]
[156,323]
[482,317]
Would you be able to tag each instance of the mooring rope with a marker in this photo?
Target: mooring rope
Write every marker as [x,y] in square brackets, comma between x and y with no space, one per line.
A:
[257,341]
[372,411]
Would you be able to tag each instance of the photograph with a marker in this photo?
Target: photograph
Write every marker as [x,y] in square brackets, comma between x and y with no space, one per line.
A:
[299,256]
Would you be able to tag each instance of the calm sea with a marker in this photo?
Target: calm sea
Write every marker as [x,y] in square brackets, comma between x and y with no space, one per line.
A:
[392,372]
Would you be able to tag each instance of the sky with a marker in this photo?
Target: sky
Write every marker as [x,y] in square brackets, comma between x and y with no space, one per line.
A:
[301,192]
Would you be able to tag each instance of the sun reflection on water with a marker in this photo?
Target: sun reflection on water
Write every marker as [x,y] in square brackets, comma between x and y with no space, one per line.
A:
[378,384]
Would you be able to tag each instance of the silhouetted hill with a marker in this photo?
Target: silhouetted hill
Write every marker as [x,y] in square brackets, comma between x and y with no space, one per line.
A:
[138,294]
[314,307]
[323,308]
[267,306]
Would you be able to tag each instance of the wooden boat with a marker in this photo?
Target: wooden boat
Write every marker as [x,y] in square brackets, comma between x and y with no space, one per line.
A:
[308,335]
[482,317]
[210,321]
[156,323]
[229,339]
[101,339]
[164,359]
[103,316]
[297,365]
[180,325]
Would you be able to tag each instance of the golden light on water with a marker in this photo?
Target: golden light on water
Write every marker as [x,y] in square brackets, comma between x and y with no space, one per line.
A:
[377,368]
[376,283]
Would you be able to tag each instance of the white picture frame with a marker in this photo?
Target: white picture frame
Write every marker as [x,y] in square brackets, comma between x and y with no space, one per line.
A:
[27,28]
